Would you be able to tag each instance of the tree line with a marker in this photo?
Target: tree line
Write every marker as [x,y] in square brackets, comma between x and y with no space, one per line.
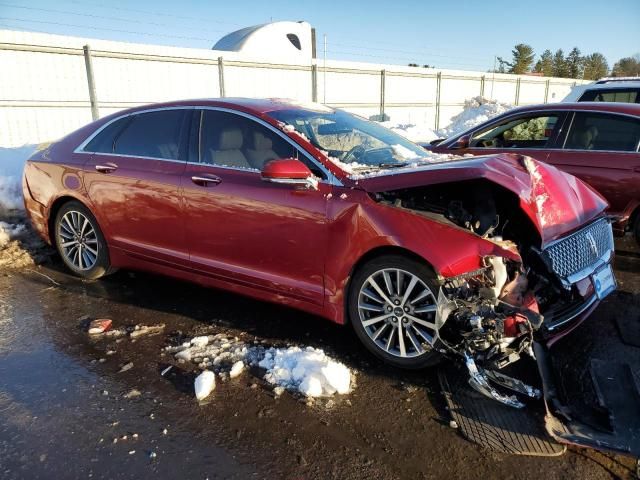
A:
[572,65]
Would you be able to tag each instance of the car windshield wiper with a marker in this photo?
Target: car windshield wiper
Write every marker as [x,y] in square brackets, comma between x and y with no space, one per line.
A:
[393,165]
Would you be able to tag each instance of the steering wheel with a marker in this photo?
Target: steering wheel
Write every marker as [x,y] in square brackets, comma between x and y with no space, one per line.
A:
[356,152]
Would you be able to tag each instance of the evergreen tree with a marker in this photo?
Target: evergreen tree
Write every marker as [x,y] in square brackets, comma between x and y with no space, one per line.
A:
[627,67]
[595,66]
[560,67]
[545,64]
[522,59]
[575,63]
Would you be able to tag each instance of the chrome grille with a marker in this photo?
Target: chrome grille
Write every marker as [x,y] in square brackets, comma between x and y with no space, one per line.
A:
[581,249]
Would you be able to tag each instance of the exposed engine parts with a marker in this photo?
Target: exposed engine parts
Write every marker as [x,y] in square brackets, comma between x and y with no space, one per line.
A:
[489,318]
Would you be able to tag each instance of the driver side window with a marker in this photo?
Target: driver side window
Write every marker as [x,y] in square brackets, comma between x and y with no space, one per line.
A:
[524,132]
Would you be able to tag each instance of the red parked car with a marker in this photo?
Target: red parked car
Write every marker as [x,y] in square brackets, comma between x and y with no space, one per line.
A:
[324,211]
[597,142]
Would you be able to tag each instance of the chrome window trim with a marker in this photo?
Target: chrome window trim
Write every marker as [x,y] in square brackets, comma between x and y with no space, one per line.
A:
[80,148]
[563,110]
[331,178]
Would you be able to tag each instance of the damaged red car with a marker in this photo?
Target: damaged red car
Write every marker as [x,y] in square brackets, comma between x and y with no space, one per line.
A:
[481,260]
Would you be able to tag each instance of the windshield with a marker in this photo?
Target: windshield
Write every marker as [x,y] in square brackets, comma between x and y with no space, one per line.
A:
[352,140]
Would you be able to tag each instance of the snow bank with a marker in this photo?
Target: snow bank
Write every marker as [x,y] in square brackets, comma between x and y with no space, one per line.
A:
[411,131]
[476,110]
[12,162]
[309,371]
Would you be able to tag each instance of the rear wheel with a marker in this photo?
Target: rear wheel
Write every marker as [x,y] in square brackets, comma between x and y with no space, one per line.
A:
[392,308]
[80,242]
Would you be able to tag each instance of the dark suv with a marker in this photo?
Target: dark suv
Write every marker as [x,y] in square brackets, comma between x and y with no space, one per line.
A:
[595,141]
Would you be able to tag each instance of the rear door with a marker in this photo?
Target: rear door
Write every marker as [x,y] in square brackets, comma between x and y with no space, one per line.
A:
[602,149]
[247,231]
[133,180]
[532,134]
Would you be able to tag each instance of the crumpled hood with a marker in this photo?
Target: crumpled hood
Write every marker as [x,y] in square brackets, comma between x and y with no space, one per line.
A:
[556,202]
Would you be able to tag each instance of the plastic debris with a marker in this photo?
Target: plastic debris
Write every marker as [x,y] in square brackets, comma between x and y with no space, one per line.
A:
[100,325]
[204,384]
[141,330]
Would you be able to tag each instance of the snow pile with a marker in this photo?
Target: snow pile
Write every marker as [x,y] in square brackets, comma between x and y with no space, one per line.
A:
[12,162]
[309,371]
[305,370]
[414,132]
[476,110]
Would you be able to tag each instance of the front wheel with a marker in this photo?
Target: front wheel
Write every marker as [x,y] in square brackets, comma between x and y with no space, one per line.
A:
[80,242]
[392,308]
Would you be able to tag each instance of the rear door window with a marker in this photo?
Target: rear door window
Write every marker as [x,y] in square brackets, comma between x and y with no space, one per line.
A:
[603,131]
[532,131]
[154,135]
[620,95]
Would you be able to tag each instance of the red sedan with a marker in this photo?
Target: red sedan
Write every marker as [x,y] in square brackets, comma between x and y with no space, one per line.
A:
[327,212]
[597,142]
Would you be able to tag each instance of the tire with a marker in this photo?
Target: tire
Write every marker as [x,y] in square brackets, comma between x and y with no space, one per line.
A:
[91,260]
[636,229]
[384,341]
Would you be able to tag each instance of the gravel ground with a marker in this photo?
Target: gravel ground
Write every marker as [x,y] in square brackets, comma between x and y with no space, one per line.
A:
[64,411]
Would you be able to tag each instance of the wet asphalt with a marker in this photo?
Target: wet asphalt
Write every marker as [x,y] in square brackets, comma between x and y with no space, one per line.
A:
[64,411]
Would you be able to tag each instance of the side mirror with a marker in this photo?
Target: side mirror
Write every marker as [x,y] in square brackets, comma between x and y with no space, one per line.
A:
[461,143]
[288,171]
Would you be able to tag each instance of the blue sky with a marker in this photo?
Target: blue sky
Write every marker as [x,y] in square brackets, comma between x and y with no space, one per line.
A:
[450,33]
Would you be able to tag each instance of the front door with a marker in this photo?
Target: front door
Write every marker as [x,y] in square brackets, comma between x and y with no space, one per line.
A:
[246,231]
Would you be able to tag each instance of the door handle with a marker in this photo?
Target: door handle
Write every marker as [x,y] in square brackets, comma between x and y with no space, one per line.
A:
[107,168]
[206,181]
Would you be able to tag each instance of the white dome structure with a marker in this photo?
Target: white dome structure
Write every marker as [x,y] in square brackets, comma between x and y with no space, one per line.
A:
[285,40]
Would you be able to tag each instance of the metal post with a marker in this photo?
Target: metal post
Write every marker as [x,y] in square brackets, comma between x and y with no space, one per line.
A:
[517,100]
[314,83]
[221,76]
[324,70]
[383,76]
[95,114]
[546,91]
[313,43]
[438,88]
[482,80]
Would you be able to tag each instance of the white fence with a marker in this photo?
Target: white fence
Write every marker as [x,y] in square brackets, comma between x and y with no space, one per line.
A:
[45,92]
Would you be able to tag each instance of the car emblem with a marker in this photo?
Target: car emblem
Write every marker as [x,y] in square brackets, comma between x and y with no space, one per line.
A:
[592,243]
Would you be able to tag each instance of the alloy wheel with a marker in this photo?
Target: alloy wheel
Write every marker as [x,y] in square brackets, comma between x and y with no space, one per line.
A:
[398,311]
[78,240]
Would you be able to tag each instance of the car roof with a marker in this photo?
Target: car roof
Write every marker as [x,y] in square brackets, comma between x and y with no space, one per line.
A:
[611,107]
[254,105]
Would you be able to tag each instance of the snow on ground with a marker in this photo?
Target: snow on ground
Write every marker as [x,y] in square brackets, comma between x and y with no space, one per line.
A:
[476,110]
[12,162]
[309,371]
[414,132]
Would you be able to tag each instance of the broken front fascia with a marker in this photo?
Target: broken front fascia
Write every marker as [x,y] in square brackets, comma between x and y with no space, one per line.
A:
[476,323]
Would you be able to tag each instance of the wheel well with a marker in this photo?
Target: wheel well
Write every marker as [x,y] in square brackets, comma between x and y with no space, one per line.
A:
[634,217]
[53,211]
[370,255]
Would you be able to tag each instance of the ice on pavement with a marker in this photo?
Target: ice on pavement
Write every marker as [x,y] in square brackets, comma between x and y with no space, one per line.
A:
[204,384]
[306,370]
